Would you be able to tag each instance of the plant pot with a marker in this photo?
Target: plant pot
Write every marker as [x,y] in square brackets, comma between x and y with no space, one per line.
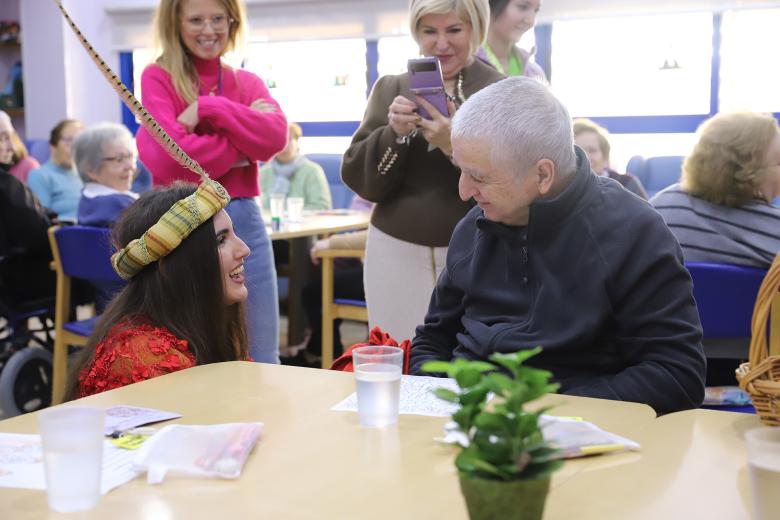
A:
[504,500]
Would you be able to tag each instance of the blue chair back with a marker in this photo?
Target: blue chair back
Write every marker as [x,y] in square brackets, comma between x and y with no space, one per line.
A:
[143,181]
[85,252]
[725,295]
[656,173]
[39,149]
[331,164]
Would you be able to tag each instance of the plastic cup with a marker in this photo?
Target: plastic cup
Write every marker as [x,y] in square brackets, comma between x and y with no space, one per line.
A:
[276,205]
[378,382]
[763,446]
[295,209]
[72,439]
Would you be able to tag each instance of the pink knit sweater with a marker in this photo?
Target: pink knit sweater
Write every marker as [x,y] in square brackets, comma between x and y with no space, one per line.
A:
[230,137]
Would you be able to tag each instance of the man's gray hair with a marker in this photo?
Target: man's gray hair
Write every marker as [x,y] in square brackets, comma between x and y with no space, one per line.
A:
[88,147]
[522,122]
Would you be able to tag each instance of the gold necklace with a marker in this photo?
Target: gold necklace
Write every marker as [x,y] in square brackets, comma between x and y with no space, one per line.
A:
[459,98]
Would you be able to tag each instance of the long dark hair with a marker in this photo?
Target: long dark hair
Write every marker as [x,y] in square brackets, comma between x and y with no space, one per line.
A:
[182,292]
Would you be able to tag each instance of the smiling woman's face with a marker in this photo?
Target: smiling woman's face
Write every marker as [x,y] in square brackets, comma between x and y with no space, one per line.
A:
[198,31]
[117,167]
[448,38]
[232,251]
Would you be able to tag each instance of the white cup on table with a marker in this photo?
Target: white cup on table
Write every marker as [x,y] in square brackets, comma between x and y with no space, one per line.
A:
[378,380]
[763,447]
[276,207]
[295,209]
[72,439]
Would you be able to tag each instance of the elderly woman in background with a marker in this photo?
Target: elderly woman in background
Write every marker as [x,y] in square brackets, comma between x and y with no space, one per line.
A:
[720,212]
[105,158]
[22,163]
[56,182]
[509,21]
[594,140]
[402,162]
[291,174]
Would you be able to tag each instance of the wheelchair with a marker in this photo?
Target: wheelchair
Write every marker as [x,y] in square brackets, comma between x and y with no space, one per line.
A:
[25,352]
[26,356]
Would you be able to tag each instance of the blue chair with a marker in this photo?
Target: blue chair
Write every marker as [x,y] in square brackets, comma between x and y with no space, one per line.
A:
[143,181]
[656,173]
[39,149]
[725,295]
[78,252]
[331,164]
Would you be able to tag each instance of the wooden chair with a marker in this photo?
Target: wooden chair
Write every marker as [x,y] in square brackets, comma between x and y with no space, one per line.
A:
[79,252]
[332,308]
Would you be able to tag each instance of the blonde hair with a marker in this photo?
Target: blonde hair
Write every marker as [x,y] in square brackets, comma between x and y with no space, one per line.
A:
[295,130]
[473,12]
[174,57]
[726,165]
[583,125]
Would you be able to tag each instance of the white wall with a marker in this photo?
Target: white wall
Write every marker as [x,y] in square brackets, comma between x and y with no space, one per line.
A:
[60,80]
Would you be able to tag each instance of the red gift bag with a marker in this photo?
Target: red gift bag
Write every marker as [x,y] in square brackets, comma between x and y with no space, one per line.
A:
[375,338]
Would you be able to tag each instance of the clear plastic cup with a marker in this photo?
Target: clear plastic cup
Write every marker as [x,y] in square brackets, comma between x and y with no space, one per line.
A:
[295,209]
[72,438]
[378,382]
[763,446]
[276,206]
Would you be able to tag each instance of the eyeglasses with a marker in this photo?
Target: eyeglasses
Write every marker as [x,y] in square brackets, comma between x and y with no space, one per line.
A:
[119,159]
[219,23]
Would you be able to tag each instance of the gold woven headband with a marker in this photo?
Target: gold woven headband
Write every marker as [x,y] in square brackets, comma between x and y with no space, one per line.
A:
[185,215]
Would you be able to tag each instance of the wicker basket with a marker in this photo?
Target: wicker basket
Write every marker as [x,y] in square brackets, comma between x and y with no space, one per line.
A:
[760,376]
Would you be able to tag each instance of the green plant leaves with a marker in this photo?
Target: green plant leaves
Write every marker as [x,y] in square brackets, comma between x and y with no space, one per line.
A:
[446,394]
[505,442]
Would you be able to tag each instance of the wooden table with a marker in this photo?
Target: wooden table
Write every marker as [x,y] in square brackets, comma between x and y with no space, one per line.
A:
[299,235]
[315,463]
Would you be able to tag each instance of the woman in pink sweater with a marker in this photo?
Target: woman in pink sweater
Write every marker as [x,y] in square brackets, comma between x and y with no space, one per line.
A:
[226,120]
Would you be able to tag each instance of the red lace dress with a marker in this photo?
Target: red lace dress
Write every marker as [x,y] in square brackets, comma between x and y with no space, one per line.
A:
[133,352]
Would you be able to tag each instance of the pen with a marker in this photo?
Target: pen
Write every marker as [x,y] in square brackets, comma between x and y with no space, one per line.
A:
[132,431]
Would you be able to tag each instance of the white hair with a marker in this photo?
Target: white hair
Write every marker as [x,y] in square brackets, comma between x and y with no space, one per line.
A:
[522,122]
[87,149]
[5,117]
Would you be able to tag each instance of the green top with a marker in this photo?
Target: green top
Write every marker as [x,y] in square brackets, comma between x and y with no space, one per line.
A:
[308,181]
[515,64]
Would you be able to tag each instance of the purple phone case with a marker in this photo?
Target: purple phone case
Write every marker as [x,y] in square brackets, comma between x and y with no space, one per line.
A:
[425,80]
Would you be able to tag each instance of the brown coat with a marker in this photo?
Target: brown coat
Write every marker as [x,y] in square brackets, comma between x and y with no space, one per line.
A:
[415,190]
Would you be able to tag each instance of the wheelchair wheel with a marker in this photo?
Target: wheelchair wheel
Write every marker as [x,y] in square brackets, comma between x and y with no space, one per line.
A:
[25,381]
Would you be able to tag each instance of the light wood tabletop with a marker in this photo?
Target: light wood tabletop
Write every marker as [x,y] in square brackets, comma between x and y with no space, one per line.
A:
[312,462]
[320,223]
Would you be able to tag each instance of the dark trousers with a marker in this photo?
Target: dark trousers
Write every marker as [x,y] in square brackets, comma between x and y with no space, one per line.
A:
[347,284]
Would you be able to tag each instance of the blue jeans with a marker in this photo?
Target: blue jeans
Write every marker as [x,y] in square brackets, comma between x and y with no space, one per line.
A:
[262,307]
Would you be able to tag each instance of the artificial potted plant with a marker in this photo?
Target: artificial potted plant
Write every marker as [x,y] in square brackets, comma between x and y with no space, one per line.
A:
[505,464]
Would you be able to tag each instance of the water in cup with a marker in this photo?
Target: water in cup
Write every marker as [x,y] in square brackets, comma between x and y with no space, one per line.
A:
[72,440]
[276,205]
[378,390]
[71,483]
[765,487]
[763,447]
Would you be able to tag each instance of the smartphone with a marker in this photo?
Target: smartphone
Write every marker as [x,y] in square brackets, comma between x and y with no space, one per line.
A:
[425,80]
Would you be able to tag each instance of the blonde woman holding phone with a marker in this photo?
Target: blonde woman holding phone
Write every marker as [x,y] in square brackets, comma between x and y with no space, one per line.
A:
[401,161]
